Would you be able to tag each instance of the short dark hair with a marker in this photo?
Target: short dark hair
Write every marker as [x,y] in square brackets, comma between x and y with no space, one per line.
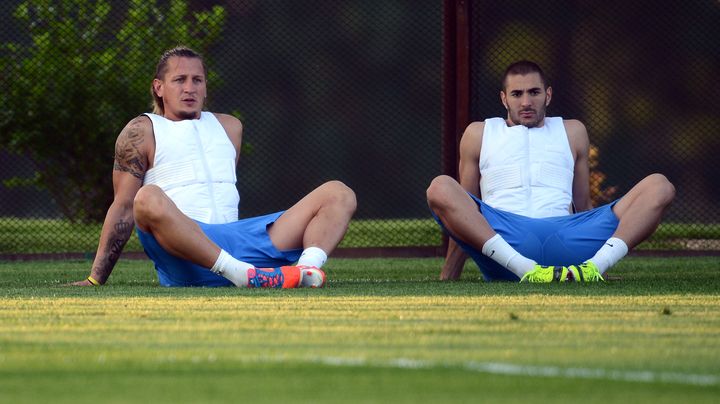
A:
[162,67]
[523,68]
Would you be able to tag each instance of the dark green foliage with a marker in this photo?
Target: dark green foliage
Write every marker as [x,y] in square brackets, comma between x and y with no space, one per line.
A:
[82,73]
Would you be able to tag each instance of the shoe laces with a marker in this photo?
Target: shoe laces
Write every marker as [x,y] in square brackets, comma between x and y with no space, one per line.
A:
[589,273]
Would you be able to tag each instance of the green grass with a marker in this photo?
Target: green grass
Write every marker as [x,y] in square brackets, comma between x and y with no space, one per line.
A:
[384,330]
[30,236]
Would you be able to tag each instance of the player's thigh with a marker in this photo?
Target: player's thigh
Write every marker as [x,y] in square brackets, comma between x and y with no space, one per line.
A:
[635,195]
[288,230]
[150,203]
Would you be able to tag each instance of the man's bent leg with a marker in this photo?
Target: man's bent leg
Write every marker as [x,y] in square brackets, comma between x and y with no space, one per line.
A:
[639,213]
[320,219]
[157,214]
[460,215]
[458,212]
[317,223]
[641,209]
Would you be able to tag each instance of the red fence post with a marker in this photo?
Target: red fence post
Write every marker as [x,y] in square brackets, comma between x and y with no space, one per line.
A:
[455,84]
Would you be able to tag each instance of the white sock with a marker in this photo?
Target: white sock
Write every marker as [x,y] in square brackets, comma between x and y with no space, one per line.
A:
[313,257]
[501,252]
[609,254]
[232,269]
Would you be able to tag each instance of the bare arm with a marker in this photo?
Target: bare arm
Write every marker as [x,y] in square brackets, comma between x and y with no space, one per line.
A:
[454,262]
[580,147]
[131,162]
[233,127]
[470,146]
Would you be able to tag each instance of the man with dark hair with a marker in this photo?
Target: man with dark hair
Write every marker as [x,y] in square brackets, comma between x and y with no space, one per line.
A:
[522,178]
[174,179]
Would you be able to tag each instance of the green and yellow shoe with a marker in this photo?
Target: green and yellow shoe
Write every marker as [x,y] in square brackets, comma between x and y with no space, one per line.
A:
[585,272]
[546,274]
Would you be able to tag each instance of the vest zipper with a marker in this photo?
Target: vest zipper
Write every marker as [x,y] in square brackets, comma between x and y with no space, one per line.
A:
[208,173]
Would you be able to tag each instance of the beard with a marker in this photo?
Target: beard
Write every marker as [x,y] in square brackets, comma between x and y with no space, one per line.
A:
[536,120]
[188,115]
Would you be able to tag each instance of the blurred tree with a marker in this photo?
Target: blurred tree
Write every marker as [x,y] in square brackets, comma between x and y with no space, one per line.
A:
[81,75]
[600,193]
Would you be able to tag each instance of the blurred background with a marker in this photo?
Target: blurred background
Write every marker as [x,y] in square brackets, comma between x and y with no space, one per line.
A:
[358,92]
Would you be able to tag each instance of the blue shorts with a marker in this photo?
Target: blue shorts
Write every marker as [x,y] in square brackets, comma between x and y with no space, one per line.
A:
[246,240]
[560,240]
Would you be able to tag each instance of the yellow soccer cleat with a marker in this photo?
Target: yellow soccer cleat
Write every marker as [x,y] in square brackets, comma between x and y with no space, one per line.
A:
[585,272]
[545,274]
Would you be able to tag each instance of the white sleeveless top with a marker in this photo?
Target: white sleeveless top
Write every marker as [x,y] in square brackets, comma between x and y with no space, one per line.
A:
[195,166]
[527,171]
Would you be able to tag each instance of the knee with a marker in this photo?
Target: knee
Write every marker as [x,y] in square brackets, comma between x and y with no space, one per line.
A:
[148,204]
[341,195]
[663,189]
[439,191]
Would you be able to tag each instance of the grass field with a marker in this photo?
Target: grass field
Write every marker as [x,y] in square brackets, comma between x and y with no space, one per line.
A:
[384,330]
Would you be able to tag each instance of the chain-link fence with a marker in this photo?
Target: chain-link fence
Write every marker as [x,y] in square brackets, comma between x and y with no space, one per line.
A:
[326,90]
[352,91]
[637,73]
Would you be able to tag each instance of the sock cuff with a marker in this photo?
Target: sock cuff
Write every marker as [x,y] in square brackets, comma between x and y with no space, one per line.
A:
[488,244]
[609,254]
[313,256]
[615,242]
[220,262]
[315,250]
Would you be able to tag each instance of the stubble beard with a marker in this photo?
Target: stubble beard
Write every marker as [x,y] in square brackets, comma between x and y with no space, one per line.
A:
[539,118]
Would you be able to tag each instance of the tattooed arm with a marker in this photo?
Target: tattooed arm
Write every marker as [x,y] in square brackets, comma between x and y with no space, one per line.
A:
[132,148]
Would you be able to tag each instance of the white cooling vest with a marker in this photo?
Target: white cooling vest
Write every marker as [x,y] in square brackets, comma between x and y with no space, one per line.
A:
[528,171]
[195,166]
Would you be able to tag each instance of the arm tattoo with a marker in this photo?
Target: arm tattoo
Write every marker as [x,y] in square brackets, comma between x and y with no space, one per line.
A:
[128,157]
[122,233]
[116,242]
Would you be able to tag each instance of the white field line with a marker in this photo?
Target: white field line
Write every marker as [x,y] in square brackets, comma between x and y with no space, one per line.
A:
[499,368]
